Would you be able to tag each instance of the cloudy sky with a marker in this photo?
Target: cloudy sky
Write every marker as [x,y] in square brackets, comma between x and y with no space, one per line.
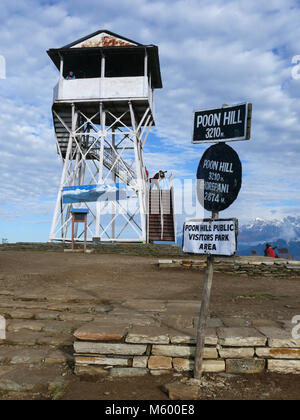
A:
[211,52]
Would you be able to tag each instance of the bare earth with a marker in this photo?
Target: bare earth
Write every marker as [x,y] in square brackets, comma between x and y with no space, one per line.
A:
[114,279]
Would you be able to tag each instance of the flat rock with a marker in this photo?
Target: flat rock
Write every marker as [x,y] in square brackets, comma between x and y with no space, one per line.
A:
[189,336]
[278,352]
[245,365]
[101,331]
[160,362]
[16,325]
[178,321]
[76,317]
[82,347]
[180,391]
[236,352]
[257,323]
[106,361]
[145,305]
[140,361]
[90,371]
[19,379]
[235,322]
[128,372]
[22,314]
[284,366]
[149,335]
[22,338]
[278,337]
[209,366]
[182,351]
[240,337]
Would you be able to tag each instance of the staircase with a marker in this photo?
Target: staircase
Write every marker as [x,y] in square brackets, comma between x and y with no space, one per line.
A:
[121,169]
[161,216]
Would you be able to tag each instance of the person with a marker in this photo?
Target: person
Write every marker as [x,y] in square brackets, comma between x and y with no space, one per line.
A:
[269,251]
[70,76]
[156,178]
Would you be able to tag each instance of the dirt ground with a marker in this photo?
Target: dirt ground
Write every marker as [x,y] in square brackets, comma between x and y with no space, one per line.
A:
[115,278]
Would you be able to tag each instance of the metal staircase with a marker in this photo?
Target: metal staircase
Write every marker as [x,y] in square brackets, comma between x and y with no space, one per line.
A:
[63,126]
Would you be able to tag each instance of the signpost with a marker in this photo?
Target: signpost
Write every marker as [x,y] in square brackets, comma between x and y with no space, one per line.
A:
[210,236]
[219,177]
[221,170]
[229,123]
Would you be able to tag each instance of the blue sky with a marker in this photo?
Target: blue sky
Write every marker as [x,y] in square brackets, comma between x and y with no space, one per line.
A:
[211,52]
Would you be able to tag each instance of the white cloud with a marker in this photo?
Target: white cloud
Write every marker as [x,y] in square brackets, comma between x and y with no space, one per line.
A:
[210,53]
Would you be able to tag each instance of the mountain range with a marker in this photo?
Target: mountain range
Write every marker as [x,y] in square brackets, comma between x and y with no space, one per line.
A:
[285,233]
[253,236]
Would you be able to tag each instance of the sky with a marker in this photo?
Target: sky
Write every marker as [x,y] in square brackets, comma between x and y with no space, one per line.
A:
[211,52]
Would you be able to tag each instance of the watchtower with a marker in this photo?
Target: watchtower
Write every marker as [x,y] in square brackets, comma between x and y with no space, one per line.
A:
[103,110]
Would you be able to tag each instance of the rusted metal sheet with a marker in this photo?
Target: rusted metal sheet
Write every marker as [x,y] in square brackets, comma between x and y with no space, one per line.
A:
[105,41]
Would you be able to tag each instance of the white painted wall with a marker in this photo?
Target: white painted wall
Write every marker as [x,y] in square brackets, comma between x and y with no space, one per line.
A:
[102,88]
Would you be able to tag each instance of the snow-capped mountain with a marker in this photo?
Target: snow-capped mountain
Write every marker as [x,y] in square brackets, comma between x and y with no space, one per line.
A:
[285,232]
[287,229]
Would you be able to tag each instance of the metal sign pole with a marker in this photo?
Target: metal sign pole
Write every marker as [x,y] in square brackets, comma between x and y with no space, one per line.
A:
[204,312]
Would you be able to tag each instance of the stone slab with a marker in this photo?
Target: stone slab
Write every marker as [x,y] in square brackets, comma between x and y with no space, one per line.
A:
[106,361]
[22,314]
[149,335]
[128,372]
[236,352]
[258,323]
[82,347]
[18,379]
[57,356]
[159,362]
[140,361]
[245,365]
[90,371]
[159,372]
[181,392]
[236,322]
[182,351]
[284,366]
[240,337]
[76,317]
[209,366]
[101,331]
[177,321]
[145,305]
[16,325]
[278,352]
[189,336]
[278,337]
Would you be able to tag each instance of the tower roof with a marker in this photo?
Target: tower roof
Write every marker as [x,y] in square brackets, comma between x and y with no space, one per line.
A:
[104,41]
[102,38]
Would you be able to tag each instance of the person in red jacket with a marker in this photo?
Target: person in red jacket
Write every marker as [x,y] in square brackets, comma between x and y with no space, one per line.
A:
[269,251]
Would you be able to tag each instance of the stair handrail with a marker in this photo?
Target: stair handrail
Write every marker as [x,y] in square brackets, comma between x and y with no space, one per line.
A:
[171,181]
[161,207]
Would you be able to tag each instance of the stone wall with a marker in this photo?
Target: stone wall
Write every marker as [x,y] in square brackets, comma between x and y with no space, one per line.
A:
[243,266]
[133,351]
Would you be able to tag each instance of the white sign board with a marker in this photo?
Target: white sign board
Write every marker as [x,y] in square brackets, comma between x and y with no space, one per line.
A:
[208,236]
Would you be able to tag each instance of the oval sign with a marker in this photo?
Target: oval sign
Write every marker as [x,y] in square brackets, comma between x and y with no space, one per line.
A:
[221,170]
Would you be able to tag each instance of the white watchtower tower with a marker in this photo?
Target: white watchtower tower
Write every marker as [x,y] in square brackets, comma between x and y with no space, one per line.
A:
[103,111]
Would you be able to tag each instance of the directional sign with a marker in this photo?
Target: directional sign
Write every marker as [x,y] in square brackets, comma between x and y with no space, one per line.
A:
[229,123]
[221,171]
[209,236]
